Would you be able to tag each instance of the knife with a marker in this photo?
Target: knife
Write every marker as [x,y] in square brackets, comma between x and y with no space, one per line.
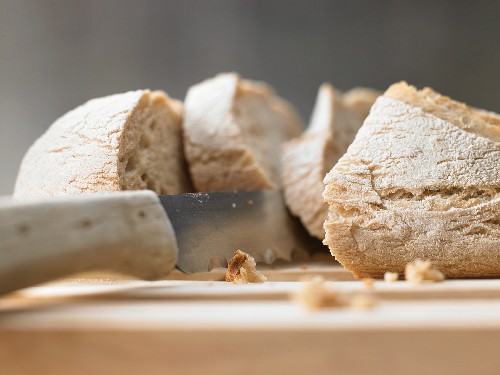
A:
[140,234]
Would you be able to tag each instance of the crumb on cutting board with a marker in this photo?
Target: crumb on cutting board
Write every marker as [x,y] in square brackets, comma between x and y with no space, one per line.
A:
[419,271]
[363,301]
[242,269]
[316,294]
[368,282]
[391,277]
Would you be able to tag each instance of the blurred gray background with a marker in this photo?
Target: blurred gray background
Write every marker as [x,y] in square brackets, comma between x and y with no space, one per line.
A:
[54,55]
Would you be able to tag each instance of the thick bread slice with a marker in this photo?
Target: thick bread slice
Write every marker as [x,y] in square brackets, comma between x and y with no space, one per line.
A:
[421,180]
[306,160]
[125,141]
[233,131]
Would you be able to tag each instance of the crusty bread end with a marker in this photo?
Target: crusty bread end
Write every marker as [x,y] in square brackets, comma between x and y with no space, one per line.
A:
[125,141]
[420,181]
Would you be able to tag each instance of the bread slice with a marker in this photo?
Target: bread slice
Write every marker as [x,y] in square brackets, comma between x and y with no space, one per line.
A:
[421,180]
[306,160]
[233,131]
[125,141]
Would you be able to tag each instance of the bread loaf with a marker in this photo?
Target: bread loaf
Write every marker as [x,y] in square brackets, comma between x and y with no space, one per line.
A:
[233,132]
[306,160]
[120,142]
[421,180]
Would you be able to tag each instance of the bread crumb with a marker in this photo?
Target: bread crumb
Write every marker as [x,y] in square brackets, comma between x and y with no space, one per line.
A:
[419,271]
[391,277]
[315,295]
[304,267]
[250,202]
[368,282]
[242,269]
[363,301]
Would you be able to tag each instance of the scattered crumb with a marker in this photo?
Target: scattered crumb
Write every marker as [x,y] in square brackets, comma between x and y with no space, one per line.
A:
[241,269]
[315,295]
[250,202]
[420,271]
[368,282]
[391,277]
[303,267]
[363,301]
[234,205]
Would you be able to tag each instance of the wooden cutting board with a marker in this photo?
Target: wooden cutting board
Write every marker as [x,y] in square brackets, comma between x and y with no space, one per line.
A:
[108,325]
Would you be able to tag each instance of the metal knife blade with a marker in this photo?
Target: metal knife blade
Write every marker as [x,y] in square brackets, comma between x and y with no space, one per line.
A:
[210,226]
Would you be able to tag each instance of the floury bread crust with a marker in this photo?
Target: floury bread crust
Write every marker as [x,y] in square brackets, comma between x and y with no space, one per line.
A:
[306,160]
[233,132]
[421,180]
[125,141]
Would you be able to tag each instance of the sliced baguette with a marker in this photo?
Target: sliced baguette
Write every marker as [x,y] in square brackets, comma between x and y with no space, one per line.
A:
[125,141]
[421,180]
[233,131]
[306,160]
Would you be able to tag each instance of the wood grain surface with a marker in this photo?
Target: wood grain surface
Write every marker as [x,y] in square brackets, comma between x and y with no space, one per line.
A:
[109,325]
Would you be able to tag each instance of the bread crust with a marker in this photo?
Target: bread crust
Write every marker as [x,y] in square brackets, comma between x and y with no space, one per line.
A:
[232,133]
[103,145]
[414,185]
[307,159]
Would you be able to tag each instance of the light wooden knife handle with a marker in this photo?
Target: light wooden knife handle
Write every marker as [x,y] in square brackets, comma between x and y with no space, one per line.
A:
[127,232]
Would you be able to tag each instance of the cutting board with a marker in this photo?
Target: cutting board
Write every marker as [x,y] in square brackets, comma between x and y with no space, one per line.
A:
[104,324]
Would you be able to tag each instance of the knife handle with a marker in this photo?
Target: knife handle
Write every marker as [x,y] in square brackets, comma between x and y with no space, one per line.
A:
[126,232]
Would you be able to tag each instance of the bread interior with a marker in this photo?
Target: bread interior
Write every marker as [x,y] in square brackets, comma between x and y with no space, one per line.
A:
[264,124]
[151,152]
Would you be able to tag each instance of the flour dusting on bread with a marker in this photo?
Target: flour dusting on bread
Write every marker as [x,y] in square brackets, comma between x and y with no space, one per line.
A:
[233,132]
[421,179]
[125,141]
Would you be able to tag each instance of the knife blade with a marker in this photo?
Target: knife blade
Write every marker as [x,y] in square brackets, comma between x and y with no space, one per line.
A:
[209,227]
